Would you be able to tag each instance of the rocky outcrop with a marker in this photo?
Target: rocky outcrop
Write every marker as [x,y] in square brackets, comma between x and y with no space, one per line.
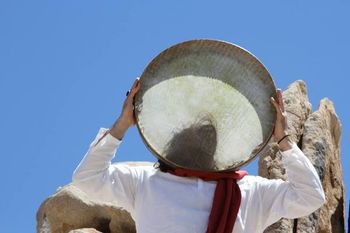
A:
[318,135]
[70,210]
[321,144]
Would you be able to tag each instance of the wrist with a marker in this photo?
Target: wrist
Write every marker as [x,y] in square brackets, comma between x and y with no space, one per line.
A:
[285,144]
[280,134]
[122,123]
[119,128]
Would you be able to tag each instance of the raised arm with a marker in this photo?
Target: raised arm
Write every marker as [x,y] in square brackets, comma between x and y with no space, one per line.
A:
[96,175]
[127,117]
[302,193]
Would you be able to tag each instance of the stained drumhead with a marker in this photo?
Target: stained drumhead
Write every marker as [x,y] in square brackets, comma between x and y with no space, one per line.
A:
[205,105]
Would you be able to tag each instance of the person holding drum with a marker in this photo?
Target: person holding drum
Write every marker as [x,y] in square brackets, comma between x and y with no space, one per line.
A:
[220,106]
[163,202]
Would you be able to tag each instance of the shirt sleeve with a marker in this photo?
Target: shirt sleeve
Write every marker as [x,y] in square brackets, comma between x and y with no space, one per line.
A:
[298,196]
[100,179]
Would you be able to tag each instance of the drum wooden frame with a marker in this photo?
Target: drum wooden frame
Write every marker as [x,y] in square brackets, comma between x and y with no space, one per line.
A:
[205,105]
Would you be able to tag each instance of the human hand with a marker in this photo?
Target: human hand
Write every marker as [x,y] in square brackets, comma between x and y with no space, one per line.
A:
[281,125]
[127,116]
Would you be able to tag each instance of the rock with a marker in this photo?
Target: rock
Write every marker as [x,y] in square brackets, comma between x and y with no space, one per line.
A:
[70,209]
[321,144]
[298,109]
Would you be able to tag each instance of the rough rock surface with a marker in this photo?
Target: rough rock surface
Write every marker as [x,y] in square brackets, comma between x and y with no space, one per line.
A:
[318,135]
[69,210]
[321,144]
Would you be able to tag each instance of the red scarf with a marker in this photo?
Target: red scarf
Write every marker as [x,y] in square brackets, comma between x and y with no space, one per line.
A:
[227,197]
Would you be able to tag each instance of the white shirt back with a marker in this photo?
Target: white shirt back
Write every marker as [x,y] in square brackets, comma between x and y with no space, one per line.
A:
[162,202]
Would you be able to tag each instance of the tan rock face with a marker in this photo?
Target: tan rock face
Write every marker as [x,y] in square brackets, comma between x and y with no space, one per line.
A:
[321,144]
[298,108]
[69,209]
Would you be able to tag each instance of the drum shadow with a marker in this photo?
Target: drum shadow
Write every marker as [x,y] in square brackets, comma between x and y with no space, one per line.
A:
[194,147]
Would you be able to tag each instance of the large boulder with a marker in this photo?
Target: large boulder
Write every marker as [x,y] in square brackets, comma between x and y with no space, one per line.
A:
[70,210]
[321,144]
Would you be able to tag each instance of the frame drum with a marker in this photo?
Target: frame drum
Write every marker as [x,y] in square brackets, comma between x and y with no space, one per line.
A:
[205,105]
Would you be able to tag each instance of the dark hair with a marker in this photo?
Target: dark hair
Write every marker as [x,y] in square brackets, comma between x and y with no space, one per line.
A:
[163,167]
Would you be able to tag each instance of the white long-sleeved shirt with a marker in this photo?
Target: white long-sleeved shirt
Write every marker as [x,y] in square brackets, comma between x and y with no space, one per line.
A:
[162,202]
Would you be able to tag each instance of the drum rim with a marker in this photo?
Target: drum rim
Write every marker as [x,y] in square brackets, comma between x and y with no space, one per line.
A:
[257,149]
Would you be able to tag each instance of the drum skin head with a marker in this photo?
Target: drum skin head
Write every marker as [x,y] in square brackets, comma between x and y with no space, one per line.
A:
[205,105]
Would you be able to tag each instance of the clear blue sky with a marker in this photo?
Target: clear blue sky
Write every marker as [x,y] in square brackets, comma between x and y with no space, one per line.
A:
[65,67]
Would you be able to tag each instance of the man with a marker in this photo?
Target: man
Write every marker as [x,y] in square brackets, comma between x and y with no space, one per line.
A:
[162,202]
